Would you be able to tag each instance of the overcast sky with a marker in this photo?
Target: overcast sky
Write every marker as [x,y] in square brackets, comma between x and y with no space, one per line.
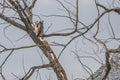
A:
[87,14]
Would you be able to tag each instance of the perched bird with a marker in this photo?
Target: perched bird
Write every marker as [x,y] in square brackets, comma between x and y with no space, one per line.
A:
[38,28]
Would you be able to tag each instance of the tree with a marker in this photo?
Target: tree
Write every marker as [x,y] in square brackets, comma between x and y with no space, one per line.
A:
[20,14]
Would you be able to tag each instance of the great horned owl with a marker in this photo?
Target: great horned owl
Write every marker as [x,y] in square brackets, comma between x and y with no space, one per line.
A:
[38,28]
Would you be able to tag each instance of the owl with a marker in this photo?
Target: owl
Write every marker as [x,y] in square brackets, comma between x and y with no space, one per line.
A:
[38,28]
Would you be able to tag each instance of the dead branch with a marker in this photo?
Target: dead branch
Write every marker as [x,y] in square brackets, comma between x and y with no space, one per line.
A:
[32,70]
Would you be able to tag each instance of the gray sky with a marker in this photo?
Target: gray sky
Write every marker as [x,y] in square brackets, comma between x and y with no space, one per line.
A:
[32,56]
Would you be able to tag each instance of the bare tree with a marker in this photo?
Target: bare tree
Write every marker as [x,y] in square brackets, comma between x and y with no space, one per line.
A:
[23,18]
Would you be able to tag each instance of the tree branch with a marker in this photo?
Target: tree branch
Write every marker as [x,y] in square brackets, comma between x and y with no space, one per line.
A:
[5,18]
[32,70]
